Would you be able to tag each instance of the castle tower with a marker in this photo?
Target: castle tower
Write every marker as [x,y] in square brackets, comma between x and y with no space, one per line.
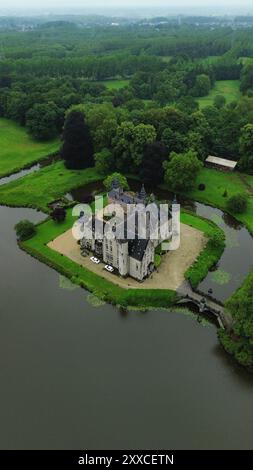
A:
[115,183]
[143,194]
[123,257]
[175,217]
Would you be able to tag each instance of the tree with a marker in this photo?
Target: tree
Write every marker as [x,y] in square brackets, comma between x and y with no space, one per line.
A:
[151,169]
[166,94]
[247,78]
[237,203]
[174,141]
[181,170]
[104,162]
[144,134]
[219,101]
[25,230]
[129,144]
[246,148]
[41,121]
[59,214]
[121,179]
[77,149]
[122,145]
[202,85]
[187,104]
[102,121]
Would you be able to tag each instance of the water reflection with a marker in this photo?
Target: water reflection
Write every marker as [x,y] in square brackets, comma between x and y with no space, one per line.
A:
[97,381]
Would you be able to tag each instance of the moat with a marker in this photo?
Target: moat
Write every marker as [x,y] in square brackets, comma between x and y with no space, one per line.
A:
[72,370]
[236,261]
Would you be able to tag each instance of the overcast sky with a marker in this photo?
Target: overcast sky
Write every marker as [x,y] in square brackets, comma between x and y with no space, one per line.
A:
[125,3]
[132,4]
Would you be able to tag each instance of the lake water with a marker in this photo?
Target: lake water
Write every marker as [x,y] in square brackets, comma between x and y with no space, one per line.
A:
[82,377]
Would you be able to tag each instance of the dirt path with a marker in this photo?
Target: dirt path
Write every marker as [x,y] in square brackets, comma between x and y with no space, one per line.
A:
[171,271]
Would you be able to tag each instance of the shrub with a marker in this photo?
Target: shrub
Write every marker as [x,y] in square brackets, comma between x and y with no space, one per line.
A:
[158,260]
[59,214]
[237,203]
[117,177]
[25,230]
[217,239]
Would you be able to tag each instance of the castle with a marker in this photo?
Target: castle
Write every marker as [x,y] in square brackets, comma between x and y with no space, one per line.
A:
[133,252]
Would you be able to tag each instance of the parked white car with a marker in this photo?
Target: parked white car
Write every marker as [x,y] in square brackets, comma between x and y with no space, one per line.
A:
[109,268]
[95,260]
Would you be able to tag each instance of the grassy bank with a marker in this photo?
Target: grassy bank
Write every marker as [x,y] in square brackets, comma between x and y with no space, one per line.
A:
[216,184]
[38,189]
[230,89]
[18,149]
[212,251]
[237,342]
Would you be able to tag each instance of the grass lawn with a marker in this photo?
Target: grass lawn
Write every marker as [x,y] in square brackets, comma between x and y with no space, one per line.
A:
[216,183]
[230,89]
[114,84]
[18,149]
[211,59]
[250,180]
[166,58]
[38,189]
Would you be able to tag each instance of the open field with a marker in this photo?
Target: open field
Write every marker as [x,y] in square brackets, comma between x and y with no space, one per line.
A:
[18,149]
[114,84]
[230,89]
[211,59]
[40,188]
[166,58]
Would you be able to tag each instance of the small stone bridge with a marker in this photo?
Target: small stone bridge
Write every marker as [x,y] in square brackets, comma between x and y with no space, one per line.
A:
[205,305]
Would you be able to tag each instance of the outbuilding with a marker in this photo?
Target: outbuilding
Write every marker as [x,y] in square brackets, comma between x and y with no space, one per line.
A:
[221,164]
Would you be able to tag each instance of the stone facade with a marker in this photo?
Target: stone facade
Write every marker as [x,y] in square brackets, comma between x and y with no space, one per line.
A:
[133,257]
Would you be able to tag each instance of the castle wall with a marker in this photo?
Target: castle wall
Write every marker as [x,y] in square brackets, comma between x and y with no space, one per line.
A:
[123,258]
[110,252]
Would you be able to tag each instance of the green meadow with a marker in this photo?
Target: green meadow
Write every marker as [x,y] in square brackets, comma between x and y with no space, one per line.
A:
[18,149]
[114,84]
[230,89]
[39,188]
[211,59]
